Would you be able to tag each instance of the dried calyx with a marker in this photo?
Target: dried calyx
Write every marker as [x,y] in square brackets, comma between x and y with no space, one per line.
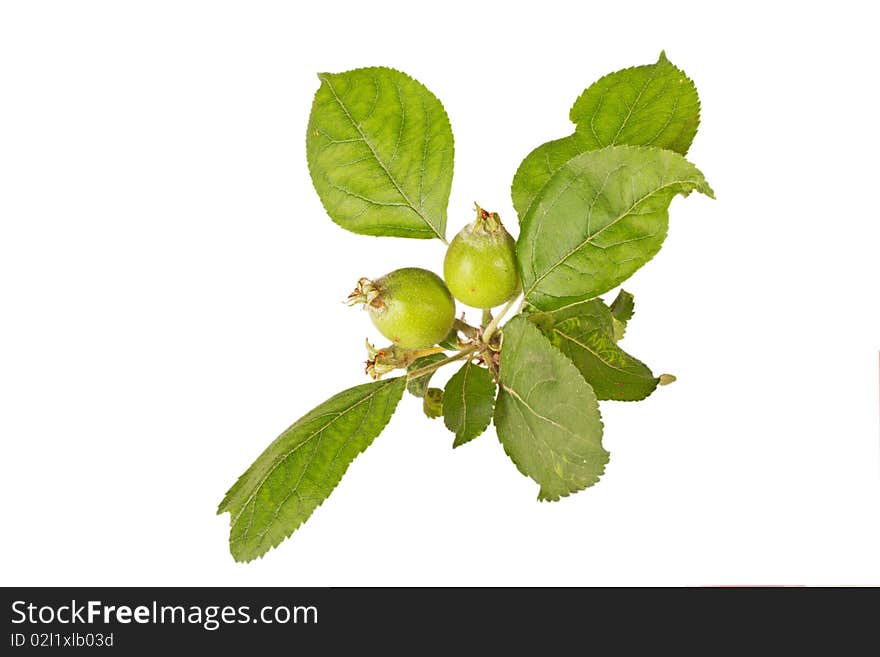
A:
[365,292]
[486,222]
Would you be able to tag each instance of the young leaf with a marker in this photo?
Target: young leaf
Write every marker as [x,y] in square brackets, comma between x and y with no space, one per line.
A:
[619,330]
[655,105]
[622,309]
[294,475]
[380,150]
[546,415]
[432,403]
[468,401]
[601,217]
[418,386]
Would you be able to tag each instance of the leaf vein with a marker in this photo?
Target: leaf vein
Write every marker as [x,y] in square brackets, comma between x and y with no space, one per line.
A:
[381,164]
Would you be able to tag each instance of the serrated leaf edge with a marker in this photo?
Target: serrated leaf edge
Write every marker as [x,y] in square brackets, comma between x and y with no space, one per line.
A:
[605,363]
[700,185]
[458,442]
[432,230]
[227,499]
[503,387]
[662,59]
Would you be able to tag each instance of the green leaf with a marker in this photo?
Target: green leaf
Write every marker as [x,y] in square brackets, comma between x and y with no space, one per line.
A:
[603,215]
[380,150]
[450,341]
[612,372]
[655,105]
[418,386]
[624,306]
[622,309]
[586,332]
[538,168]
[468,401]
[592,310]
[546,415]
[619,329]
[432,404]
[294,475]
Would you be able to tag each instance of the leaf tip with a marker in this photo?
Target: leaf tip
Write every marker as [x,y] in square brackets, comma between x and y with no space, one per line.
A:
[663,59]
[226,503]
[246,556]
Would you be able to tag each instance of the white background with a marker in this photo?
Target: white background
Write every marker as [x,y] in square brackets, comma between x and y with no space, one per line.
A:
[170,293]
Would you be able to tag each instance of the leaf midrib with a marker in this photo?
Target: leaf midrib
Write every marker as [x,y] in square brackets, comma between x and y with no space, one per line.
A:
[598,357]
[522,401]
[381,164]
[464,406]
[274,466]
[650,79]
[552,451]
[295,488]
[589,239]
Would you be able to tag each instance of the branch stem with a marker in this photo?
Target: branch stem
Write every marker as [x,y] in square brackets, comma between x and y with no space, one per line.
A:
[427,369]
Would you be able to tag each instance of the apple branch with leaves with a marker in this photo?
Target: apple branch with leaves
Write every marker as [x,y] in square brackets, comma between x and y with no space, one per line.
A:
[592,209]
